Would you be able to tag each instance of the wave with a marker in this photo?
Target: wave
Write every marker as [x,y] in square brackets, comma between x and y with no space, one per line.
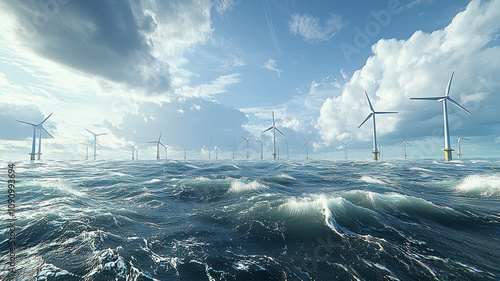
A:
[369,179]
[480,186]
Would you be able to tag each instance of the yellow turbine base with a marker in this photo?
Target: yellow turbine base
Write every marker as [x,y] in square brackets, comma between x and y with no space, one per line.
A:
[375,155]
[447,153]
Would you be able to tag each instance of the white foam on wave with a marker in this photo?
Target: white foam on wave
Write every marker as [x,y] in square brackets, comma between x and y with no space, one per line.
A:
[480,185]
[369,179]
[153,181]
[241,186]
[286,176]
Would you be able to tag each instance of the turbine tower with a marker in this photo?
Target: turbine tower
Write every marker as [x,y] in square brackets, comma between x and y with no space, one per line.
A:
[166,150]
[273,127]
[137,154]
[261,150]
[404,142]
[447,146]
[95,141]
[158,143]
[185,147]
[247,139]
[306,145]
[287,154]
[345,148]
[233,146]
[372,115]
[40,127]
[459,154]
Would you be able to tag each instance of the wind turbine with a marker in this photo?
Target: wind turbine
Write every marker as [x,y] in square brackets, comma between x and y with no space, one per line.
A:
[306,145]
[216,153]
[185,147]
[137,154]
[158,143]
[375,147]
[209,146]
[404,142]
[273,127]
[40,127]
[459,154]
[287,154]
[166,150]
[247,139]
[345,148]
[133,150]
[447,146]
[234,146]
[261,151]
[87,150]
[95,141]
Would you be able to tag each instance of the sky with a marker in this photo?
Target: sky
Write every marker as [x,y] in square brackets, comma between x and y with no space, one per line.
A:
[207,74]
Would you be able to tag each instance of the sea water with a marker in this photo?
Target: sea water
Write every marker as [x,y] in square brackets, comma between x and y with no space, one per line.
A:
[255,220]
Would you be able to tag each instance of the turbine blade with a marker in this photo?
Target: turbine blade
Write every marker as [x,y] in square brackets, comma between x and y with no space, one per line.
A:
[90,132]
[447,90]
[280,132]
[408,143]
[457,104]
[152,141]
[46,132]
[429,98]
[163,145]
[26,123]
[369,116]
[371,107]
[385,112]
[273,118]
[268,129]
[399,143]
[304,139]
[160,137]
[101,134]
[465,139]
[45,119]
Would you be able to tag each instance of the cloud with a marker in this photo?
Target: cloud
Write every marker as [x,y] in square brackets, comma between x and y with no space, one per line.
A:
[421,66]
[310,29]
[271,65]
[191,121]
[208,90]
[13,130]
[121,41]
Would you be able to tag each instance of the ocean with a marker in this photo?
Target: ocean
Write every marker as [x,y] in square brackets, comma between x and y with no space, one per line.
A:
[254,220]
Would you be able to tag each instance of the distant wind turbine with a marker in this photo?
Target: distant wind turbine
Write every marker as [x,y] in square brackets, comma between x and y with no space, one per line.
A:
[209,146]
[247,139]
[287,150]
[273,127]
[95,141]
[40,127]
[372,115]
[459,154]
[137,154]
[404,142]
[185,147]
[166,150]
[216,153]
[133,150]
[306,145]
[447,146]
[87,150]
[158,143]
[233,146]
[261,150]
[345,148]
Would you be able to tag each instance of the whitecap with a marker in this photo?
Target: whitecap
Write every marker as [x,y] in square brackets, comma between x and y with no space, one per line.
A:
[369,179]
[241,186]
[480,185]
[152,181]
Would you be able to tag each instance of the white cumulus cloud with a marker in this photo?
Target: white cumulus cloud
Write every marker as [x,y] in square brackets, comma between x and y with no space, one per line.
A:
[310,28]
[418,67]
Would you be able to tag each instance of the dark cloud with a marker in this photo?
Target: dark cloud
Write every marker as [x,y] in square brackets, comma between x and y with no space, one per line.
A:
[191,122]
[13,130]
[101,38]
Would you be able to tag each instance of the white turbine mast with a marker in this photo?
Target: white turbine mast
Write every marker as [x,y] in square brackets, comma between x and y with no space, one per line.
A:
[447,146]
[372,115]
[274,128]
[261,150]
